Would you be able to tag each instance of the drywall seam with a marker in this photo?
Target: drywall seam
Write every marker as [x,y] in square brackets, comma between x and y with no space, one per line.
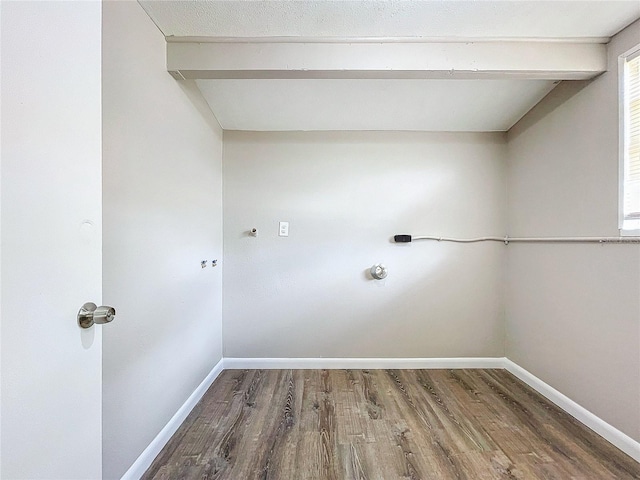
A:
[222,246]
[144,461]
[619,439]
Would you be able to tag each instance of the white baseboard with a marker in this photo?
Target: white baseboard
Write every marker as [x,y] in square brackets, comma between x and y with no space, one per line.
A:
[146,458]
[621,440]
[372,363]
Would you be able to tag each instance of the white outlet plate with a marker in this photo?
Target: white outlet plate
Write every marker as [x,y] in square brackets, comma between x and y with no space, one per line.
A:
[283,231]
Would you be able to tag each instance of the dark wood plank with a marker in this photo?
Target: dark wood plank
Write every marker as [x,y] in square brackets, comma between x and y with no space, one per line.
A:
[383,425]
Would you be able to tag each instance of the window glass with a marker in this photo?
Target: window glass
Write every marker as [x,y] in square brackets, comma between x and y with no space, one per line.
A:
[631,142]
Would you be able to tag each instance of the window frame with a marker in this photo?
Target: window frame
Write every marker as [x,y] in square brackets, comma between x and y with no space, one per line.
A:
[622,153]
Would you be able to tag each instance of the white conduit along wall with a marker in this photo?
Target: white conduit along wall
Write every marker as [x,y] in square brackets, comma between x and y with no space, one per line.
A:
[506,239]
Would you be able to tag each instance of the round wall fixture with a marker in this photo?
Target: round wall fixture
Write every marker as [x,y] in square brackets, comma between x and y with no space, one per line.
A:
[378,271]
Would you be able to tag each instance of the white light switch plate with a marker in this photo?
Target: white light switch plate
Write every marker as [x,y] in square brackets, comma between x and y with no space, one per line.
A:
[284,229]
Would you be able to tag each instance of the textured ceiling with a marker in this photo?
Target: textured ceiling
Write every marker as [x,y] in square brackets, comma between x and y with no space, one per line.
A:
[436,105]
[393,18]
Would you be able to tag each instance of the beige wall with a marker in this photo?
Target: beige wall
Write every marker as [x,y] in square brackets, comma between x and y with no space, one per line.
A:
[162,215]
[345,195]
[573,311]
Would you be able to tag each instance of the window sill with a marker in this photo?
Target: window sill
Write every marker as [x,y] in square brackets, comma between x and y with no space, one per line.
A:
[630,233]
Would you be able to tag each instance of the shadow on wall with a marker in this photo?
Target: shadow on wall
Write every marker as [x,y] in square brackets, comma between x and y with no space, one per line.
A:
[194,95]
[559,95]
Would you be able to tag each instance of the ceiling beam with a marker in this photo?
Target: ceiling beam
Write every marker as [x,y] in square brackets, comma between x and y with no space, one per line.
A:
[468,60]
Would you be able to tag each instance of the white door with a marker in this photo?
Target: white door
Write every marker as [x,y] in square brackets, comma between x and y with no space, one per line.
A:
[50,247]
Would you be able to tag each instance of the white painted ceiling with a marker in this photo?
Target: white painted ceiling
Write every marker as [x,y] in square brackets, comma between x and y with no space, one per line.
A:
[366,104]
[424,105]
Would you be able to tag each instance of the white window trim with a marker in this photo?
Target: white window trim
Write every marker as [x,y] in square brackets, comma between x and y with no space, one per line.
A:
[626,56]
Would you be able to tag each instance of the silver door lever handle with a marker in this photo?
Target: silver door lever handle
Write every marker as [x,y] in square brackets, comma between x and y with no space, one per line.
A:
[90,314]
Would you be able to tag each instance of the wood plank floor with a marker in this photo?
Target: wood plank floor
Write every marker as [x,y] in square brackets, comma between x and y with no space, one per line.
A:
[383,424]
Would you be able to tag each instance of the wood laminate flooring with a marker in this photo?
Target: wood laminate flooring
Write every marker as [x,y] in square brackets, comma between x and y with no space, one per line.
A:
[385,425]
